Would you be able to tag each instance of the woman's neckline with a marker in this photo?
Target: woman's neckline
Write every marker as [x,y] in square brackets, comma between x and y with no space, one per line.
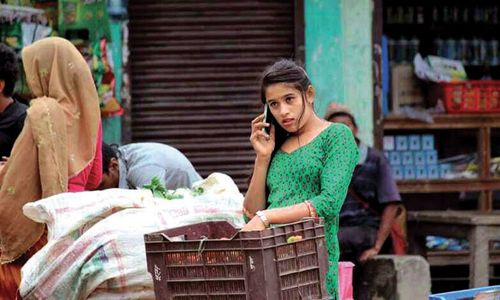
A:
[308,143]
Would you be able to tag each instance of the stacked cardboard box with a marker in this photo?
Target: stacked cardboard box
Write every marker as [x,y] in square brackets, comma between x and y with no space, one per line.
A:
[414,157]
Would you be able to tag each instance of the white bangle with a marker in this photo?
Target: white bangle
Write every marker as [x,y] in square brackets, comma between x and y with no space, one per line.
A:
[263,218]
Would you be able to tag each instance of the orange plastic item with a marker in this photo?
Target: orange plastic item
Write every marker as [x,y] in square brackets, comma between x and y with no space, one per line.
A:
[472,96]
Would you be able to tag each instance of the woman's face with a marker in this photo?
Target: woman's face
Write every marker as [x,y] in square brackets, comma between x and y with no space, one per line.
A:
[287,106]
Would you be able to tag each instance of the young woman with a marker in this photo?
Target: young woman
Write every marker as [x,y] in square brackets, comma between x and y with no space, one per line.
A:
[58,150]
[303,166]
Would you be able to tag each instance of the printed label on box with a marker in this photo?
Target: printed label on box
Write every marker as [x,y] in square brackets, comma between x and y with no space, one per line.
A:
[414,141]
[421,172]
[401,143]
[427,142]
[407,158]
[444,171]
[433,172]
[398,172]
[431,157]
[409,172]
[394,158]
[419,158]
[389,143]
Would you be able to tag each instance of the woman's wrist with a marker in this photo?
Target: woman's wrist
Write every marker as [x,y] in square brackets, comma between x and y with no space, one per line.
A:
[262,159]
[262,216]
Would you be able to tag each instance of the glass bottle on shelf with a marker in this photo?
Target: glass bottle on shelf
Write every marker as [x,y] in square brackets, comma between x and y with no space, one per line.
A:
[476,54]
[455,12]
[420,15]
[446,15]
[400,15]
[478,14]
[389,15]
[484,51]
[465,15]
[435,15]
[494,15]
[462,50]
[438,47]
[413,46]
[451,47]
[391,44]
[470,52]
[410,15]
[493,45]
[486,15]
[402,50]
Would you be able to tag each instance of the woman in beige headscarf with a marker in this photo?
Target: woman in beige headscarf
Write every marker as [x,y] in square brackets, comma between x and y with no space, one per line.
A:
[59,149]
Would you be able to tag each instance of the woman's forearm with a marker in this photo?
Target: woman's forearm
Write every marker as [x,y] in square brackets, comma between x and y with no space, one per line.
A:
[255,198]
[288,214]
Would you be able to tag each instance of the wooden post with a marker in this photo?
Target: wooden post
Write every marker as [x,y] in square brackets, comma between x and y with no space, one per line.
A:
[378,129]
[484,156]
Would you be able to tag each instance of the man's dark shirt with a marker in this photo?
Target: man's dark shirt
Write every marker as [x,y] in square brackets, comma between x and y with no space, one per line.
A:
[11,124]
[373,181]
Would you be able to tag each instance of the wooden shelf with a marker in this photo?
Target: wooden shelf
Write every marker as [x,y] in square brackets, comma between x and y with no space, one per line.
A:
[447,186]
[465,121]
[483,124]
[447,258]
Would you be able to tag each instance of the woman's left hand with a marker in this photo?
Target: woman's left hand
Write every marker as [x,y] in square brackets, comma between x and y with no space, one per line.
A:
[255,224]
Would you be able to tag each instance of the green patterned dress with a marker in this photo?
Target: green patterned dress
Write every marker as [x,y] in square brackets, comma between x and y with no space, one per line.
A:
[319,171]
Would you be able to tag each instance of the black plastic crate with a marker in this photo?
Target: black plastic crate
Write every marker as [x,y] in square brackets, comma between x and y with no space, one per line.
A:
[213,260]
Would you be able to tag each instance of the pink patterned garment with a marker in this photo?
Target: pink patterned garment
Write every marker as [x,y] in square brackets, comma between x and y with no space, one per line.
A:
[90,177]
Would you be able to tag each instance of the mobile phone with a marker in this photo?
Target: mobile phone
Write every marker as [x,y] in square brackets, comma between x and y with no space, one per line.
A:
[268,118]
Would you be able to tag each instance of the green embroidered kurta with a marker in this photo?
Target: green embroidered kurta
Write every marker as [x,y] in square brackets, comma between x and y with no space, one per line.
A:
[319,171]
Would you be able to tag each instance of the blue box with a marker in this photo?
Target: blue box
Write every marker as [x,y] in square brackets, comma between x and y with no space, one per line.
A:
[414,142]
[398,172]
[444,170]
[394,158]
[419,158]
[433,172]
[401,142]
[431,157]
[409,172]
[389,143]
[407,158]
[466,294]
[427,142]
[421,172]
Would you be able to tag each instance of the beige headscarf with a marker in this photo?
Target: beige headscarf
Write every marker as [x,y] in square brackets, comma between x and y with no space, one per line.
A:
[57,142]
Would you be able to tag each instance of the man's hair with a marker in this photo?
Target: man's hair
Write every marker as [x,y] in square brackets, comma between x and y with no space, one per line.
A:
[343,114]
[108,152]
[9,69]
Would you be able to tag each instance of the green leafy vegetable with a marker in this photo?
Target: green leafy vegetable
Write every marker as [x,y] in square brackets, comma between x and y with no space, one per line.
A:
[197,191]
[159,191]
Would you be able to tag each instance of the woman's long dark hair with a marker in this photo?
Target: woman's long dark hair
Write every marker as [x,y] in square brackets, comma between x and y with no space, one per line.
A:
[288,72]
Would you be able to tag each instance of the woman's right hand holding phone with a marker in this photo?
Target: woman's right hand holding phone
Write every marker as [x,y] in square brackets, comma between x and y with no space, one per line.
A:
[262,143]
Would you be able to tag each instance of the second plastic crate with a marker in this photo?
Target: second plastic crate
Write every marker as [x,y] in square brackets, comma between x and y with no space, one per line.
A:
[212,260]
